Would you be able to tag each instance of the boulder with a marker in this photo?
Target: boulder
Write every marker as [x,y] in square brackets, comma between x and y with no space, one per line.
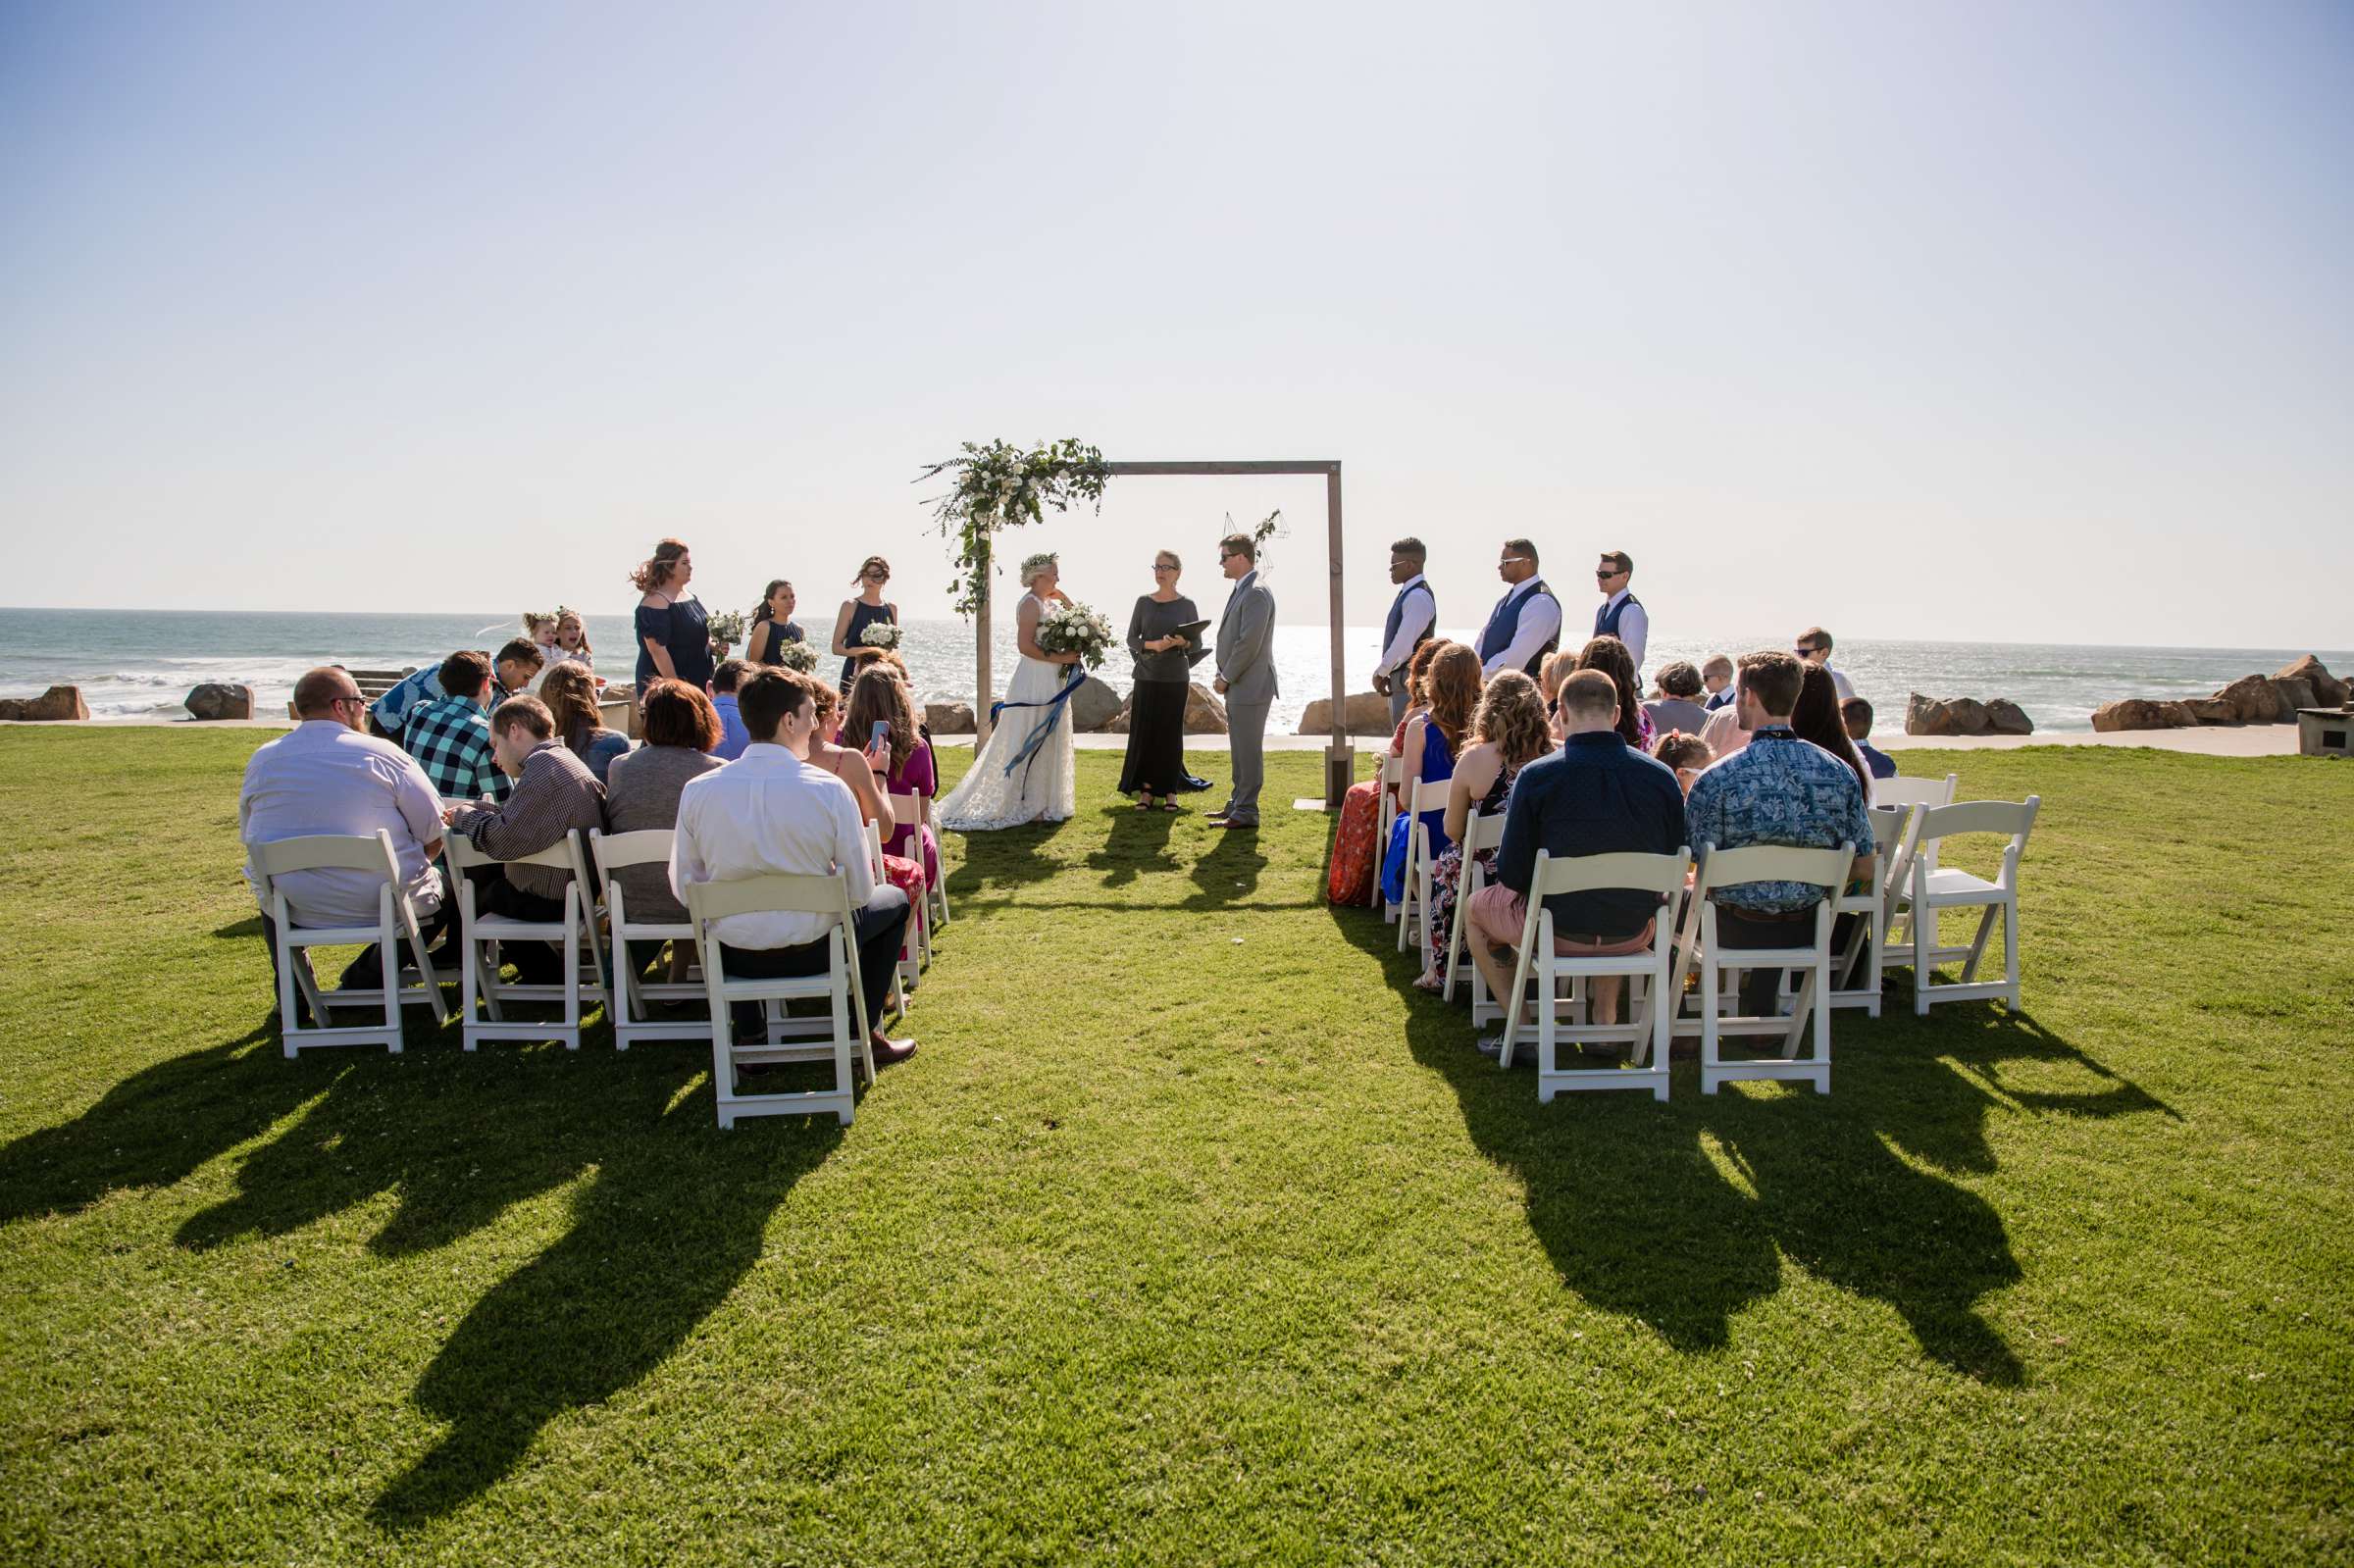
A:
[1367,713]
[1205,714]
[1967,716]
[2296,693]
[1093,705]
[2329,690]
[214,700]
[2210,710]
[2253,699]
[949,717]
[1952,716]
[51,706]
[2139,712]
[2006,718]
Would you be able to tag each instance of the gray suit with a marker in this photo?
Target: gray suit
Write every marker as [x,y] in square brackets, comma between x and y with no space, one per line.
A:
[1246,650]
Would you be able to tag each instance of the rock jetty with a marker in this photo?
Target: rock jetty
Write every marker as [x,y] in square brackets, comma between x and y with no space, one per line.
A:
[2251,699]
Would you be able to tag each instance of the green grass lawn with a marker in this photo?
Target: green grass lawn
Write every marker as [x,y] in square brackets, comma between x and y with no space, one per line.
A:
[1190,1234]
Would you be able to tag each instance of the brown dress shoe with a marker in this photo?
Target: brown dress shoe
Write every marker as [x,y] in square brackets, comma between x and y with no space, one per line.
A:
[888,1051]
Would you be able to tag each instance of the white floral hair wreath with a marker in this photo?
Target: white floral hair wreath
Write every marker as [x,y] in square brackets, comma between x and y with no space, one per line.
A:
[1031,566]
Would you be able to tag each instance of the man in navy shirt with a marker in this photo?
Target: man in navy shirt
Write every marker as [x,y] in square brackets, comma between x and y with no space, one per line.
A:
[1597,795]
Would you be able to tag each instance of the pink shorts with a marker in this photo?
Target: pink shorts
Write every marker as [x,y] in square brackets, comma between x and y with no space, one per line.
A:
[1499,915]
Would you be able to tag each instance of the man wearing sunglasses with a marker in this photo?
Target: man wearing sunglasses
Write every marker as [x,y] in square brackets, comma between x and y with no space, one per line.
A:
[1526,622]
[1622,615]
[1413,621]
[1813,646]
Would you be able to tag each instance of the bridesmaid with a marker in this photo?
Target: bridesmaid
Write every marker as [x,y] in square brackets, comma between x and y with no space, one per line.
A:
[857,613]
[773,625]
[672,640]
[1156,764]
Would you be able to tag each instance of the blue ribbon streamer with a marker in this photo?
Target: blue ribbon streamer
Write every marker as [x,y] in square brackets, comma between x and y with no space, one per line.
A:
[1072,675]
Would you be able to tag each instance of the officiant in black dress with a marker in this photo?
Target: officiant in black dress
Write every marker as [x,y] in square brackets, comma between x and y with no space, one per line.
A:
[1164,636]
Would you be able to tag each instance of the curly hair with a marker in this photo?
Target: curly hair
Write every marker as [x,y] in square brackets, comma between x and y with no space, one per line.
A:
[1452,685]
[1610,655]
[878,695]
[1511,718]
[1417,671]
[659,568]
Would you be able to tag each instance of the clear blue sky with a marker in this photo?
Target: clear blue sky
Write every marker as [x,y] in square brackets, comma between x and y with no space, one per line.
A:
[2017,320]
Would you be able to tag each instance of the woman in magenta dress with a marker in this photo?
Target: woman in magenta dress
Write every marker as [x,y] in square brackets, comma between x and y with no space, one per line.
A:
[877,697]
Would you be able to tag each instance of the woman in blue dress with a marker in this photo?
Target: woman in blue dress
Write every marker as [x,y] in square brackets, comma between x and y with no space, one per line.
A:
[1432,740]
[672,639]
[856,615]
[773,625]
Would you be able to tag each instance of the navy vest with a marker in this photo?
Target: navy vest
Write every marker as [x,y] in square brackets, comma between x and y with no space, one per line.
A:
[1606,618]
[1505,621]
[1388,627]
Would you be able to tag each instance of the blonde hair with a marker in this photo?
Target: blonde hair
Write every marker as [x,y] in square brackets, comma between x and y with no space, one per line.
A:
[1033,568]
[1512,717]
[1169,556]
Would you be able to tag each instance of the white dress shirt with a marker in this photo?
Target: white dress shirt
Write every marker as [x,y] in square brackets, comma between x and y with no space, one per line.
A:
[1539,625]
[1840,683]
[1419,616]
[769,811]
[323,777]
[1634,626]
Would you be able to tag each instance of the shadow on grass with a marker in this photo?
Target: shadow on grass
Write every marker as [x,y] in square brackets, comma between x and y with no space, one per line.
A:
[158,1125]
[1678,1215]
[1135,843]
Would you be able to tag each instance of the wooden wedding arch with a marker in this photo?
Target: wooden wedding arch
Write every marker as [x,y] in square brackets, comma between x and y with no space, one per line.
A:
[1339,758]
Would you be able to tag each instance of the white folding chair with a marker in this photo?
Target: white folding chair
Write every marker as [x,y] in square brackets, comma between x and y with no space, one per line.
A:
[1933,888]
[1414,909]
[1483,832]
[628,1006]
[844,1037]
[907,808]
[572,929]
[1896,927]
[1651,982]
[395,919]
[1809,951]
[1858,965]
[1393,783]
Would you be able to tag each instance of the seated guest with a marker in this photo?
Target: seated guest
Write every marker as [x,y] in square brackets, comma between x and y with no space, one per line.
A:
[1813,646]
[1354,878]
[1816,718]
[512,669]
[1687,754]
[1557,668]
[850,767]
[570,693]
[1678,705]
[1610,656]
[1596,796]
[733,737]
[1451,689]
[641,791]
[554,792]
[1725,734]
[1717,675]
[325,776]
[450,736]
[1778,789]
[1508,733]
[1856,714]
[877,696]
[770,811]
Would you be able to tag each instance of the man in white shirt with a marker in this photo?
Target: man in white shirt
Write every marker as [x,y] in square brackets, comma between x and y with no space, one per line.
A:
[1814,646]
[1413,621]
[1526,622]
[1622,615]
[325,776]
[770,811]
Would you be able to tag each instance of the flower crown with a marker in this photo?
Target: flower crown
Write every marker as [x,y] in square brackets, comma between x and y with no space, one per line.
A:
[1033,565]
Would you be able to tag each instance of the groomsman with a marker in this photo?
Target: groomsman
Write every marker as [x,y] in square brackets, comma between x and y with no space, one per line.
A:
[1526,622]
[1622,615]
[1246,675]
[1413,621]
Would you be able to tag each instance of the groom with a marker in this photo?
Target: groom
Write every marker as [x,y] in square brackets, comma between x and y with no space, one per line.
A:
[1246,652]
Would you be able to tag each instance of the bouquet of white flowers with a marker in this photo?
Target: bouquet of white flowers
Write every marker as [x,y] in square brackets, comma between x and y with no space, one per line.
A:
[726,627]
[880,635]
[1076,629]
[801,656]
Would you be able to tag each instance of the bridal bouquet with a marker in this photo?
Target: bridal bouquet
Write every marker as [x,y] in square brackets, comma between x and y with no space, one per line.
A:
[881,634]
[1076,629]
[801,656]
[726,627]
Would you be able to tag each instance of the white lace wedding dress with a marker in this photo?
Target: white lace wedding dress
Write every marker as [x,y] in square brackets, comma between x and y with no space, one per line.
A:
[1001,792]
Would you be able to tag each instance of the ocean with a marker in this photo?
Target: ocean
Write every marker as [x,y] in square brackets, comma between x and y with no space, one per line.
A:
[141,663]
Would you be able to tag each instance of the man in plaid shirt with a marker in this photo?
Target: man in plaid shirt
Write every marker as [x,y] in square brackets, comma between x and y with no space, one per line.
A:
[450,735]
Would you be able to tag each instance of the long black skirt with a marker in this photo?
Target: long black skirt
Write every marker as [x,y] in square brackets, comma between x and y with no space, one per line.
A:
[1155,739]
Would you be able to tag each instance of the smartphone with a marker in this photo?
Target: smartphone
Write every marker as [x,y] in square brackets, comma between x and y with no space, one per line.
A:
[880,740]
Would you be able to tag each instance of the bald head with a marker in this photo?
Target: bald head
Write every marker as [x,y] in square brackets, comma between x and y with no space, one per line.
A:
[316,692]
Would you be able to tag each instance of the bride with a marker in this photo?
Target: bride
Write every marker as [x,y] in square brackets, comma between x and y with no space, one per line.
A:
[1026,772]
